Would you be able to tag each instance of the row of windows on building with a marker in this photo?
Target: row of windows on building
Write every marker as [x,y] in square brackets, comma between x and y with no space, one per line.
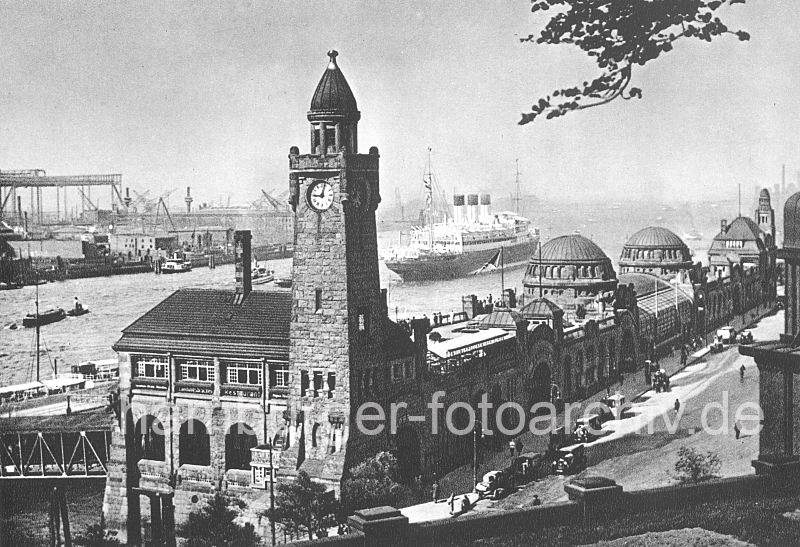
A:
[395,371]
[652,254]
[568,272]
[204,370]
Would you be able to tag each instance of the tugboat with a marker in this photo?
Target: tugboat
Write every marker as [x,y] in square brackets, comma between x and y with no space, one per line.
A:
[262,275]
[78,309]
[176,265]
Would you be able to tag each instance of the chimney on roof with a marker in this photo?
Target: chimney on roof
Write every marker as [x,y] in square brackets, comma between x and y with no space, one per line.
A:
[723,226]
[244,269]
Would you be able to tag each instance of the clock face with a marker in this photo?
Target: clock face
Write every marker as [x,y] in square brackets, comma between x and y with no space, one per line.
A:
[320,195]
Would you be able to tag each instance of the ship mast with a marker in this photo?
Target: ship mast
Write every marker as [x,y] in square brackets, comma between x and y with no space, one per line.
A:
[37,328]
[517,195]
[428,181]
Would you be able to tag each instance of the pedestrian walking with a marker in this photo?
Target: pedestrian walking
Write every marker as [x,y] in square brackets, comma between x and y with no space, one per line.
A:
[436,492]
[677,406]
[452,502]
[737,430]
[536,500]
[684,356]
[519,447]
[741,373]
[512,446]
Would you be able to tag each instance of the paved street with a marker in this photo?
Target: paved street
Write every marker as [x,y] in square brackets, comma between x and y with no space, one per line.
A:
[640,450]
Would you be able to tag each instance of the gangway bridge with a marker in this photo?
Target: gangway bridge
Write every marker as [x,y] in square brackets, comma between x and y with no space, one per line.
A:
[12,183]
[56,447]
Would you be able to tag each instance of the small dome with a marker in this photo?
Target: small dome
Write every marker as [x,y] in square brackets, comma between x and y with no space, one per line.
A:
[655,237]
[655,250]
[791,222]
[569,249]
[764,193]
[570,262]
[333,97]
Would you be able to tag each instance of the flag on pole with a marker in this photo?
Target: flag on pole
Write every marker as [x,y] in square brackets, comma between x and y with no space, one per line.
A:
[493,262]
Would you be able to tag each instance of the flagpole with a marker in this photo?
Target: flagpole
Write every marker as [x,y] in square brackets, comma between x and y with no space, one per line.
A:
[540,268]
[502,277]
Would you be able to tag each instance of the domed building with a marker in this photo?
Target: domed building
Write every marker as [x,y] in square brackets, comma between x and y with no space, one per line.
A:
[569,270]
[655,250]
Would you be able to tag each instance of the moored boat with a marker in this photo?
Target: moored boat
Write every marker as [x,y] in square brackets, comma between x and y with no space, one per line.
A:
[449,247]
[43,318]
[262,275]
[176,266]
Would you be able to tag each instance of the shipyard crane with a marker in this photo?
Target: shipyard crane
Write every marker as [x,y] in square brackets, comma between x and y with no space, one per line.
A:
[87,201]
[162,204]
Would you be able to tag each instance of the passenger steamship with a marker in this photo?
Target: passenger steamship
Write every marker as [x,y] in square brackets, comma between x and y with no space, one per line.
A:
[462,245]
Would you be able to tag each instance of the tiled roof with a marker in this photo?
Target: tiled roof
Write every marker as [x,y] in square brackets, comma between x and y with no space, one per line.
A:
[80,421]
[246,348]
[742,229]
[212,313]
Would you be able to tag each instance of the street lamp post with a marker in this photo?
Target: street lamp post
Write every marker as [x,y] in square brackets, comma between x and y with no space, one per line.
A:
[478,427]
[271,493]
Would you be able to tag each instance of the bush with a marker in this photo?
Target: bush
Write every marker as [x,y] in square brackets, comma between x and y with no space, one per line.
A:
[96,536]
[693,466]
[374,482]
[215,525]
[303,506]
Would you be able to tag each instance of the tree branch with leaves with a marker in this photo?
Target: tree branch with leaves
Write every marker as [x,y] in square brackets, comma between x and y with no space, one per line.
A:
[619,35]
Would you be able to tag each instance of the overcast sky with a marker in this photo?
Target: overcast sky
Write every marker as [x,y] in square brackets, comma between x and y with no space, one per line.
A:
[212,95]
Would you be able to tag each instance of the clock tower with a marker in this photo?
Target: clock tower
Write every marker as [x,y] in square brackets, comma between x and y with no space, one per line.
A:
[338,311]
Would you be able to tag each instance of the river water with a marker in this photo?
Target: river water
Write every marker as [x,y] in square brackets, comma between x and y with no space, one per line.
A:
[115,302]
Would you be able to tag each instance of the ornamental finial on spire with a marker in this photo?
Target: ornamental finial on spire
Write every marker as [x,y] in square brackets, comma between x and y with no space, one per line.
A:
[332,54]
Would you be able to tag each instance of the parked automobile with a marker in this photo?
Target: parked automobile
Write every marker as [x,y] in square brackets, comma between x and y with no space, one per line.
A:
[616,406]
[495,485]
[746,337]
[570,460]
[529,467]
[660,381]
[586,429]
[727,334]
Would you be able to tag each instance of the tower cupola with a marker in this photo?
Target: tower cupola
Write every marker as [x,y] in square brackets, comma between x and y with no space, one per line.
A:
[334,113]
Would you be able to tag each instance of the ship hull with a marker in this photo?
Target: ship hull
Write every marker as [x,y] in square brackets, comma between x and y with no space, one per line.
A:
[461,265]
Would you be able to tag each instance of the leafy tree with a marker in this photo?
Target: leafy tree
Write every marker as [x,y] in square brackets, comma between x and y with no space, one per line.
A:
[693,466]
[373,482]
[214,525]
[619,34]
[96,536]
[304,506]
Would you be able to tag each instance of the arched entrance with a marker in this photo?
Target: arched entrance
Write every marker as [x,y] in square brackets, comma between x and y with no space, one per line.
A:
[627,357]
[408,453]
[238,442]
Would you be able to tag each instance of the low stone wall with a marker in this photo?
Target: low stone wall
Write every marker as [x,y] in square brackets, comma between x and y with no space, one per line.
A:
[588,506]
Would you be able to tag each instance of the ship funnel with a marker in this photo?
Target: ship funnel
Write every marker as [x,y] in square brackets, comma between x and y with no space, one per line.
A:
[472,208]
[458,209]
[485,209]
